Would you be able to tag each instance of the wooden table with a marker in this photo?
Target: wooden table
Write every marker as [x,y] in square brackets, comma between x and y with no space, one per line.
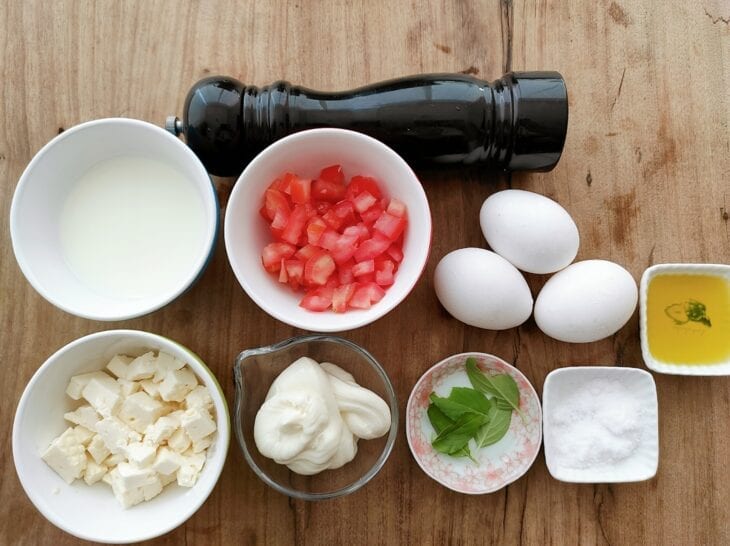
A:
[645,174]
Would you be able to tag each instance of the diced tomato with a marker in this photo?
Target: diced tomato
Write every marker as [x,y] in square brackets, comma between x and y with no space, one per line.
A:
[346,213]
[395,252]
[341,296]
[274,201]
[277,184]
[345,248]
[384,270]
[363,268]
[364,201]
[344,272]
[295,226]
[321,207]
[294,273]
[375,292]
[325,190]
[319,299]
[370,216]
[273,254]
[366,278]
[390,226]
[332,220]
[372,248]
[396,208]
[359,184]
[306,252]
[359,230]
[360,298]
[300,189]
[329,239]
[315,228]
[283,276]
[333,173]
[318,269]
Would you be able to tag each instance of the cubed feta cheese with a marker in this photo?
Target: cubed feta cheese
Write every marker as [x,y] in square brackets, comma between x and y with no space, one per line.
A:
[66,456]
[166,362]
[107,478]
[179,441]
[153,489]
[84,435]
[190,466]
[126,496]
[119,365]
[141,454]
[128,387]
[177,384]
[131,476]
[97,449]
[199,397]
[161,430]
[104,394]
[151,388]
[84,415]
[167,478]
[93,472]
[140,410]
[116,434]
[166,462]
[203,444]
[114,459]
[197,423]
[77,383]
[142,367]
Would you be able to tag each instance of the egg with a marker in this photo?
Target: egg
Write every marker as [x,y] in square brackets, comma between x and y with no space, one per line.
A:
[586,301]
[531,231]
[482,289]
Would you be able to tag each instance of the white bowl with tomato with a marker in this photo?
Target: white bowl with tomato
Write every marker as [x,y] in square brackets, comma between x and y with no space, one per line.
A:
[327,230]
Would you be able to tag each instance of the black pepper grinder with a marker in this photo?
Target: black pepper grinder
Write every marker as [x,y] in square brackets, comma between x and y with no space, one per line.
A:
[516,123]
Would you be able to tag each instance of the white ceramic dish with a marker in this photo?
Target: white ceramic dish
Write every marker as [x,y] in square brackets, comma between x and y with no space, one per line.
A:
[39,198]
[92,512]
[499,464]
[679,368]
[643,463]
[305,154]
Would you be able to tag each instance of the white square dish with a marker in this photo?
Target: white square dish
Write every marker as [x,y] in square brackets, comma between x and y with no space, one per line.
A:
[587,384]
[677,368]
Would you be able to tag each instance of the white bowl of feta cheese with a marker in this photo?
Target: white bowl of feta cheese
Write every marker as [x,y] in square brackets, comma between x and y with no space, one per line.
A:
[120,436]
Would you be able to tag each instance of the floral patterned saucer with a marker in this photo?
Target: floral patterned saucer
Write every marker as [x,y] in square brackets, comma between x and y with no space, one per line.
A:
[497,465]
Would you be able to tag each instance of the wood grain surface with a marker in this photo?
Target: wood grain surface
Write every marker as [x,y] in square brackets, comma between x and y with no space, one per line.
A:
[645,174]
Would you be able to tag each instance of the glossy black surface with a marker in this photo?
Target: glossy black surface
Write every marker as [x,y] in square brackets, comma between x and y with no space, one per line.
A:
[516,123]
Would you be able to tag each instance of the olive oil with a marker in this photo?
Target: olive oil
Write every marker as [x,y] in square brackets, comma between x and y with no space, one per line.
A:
[688,318]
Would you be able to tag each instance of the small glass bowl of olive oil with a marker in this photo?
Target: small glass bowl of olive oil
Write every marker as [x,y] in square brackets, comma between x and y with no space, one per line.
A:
[685,318]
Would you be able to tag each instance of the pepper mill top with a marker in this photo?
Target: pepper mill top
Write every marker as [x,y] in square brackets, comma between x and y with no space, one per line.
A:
[516,123]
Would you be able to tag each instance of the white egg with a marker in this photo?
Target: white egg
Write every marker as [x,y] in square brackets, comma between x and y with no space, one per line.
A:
[586,301]
[482,289]
[531,231]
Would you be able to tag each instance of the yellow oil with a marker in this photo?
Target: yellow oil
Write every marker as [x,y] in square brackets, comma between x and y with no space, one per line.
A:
[688,319]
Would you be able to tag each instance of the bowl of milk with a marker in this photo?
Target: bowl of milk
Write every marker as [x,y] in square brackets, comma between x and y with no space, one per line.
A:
[113,219]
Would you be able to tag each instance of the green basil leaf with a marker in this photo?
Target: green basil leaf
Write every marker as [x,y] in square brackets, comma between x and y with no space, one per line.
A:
[461,400]
[439,422]
[457,435]
[501,386]
[495,429]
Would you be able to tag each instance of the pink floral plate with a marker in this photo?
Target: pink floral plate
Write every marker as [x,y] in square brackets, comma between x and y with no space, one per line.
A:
[497,465]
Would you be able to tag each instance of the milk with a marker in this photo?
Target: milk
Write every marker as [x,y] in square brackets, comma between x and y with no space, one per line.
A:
[133,227]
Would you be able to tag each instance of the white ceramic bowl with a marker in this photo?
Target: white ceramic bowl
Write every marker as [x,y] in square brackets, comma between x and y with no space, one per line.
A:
[563,383]
[305,154]
[93,512]
[39,198]
[499,464]
[678,368]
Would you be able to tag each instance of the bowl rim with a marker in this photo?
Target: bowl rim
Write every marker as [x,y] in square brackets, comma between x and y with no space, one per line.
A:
[291,342]
[212,212]
[617,370]
[222,442]
[348,321]
[718,270]
[444,362]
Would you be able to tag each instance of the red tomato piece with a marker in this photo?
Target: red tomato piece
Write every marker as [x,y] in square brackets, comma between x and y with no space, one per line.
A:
[363,201]
[315,229]
[363,268]
[370,216]
[360,298]
[345,248]
[301,190]
[275,200]
[395,252]
[375,292]
[283,276]
[277,184]
[341,297]
[384,270]
[346,213]
[319,299]
[344,272]
[295,226]
[286,182]
[372,248]
[359,230]
[332,219]
[318,269]
[294,273]
[325,190]
[390,226]
[359,184]
[321,207]
[333,173]
[273,254]
[329,239]
[306,252]
[396,208]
